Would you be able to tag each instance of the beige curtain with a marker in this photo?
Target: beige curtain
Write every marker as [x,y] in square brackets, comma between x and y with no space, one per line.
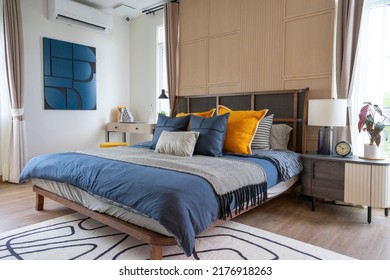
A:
[171,26]
[349,14]
[13,38]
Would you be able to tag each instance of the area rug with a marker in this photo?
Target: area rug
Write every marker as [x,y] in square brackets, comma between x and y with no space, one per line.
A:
[76,237]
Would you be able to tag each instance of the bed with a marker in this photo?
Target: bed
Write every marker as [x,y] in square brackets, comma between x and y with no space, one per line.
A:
[193,175]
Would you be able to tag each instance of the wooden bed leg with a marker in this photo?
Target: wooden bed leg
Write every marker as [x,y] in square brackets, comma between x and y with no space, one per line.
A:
[155,252]
[39,201]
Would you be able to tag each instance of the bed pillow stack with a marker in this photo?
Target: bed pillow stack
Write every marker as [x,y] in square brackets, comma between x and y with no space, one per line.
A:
[201,131]
[229,131]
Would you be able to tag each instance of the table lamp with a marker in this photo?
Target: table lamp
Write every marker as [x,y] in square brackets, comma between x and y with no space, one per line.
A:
[327,113]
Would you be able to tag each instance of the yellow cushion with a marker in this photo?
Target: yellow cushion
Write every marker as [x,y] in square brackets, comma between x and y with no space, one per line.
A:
[112,144]
[241,128]
[206,114]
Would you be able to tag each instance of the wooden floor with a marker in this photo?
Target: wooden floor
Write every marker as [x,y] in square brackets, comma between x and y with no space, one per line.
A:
[343,229]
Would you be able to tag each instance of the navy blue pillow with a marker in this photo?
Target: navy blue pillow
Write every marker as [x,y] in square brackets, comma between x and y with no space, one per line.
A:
[168,124]
[212,133]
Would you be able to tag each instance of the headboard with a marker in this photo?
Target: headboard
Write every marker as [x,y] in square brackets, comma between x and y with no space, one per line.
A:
[288,106]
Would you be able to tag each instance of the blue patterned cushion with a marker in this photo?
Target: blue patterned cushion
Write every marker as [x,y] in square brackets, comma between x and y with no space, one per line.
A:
[211,134]
[168,124]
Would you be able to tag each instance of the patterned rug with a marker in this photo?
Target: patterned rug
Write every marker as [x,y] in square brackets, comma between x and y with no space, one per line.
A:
[77,237]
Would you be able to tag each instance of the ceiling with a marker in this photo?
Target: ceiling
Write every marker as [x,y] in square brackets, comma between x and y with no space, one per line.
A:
[123,8]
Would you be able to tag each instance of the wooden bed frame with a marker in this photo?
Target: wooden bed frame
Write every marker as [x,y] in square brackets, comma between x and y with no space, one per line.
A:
[288,106]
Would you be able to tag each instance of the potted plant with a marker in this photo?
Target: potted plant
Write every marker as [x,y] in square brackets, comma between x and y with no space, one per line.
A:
[371,120]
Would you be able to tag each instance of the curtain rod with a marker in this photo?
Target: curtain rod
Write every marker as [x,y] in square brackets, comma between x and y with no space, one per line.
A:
[157,8]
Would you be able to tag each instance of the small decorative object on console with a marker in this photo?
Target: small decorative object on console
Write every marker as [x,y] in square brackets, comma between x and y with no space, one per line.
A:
[369,123]
[372,120]
[343,149]
[125,116]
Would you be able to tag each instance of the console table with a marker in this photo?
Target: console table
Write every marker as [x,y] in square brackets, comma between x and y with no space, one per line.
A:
[351,179]
[130,127]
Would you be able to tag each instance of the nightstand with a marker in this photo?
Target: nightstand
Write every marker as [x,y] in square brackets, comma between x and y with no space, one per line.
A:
[351,179]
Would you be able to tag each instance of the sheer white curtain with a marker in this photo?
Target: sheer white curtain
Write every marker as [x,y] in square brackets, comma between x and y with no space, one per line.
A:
[5,111]
[372,77]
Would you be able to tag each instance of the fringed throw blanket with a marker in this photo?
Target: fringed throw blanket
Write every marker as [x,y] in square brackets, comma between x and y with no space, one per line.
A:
[233,180]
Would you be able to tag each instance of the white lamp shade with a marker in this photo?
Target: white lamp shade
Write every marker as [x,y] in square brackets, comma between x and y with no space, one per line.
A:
[327,112]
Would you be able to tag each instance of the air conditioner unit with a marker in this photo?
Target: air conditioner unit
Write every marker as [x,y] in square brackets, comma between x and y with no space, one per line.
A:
[74,13]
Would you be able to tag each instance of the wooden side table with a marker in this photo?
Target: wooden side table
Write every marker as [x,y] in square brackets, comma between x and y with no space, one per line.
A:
[133,127]
[351,179]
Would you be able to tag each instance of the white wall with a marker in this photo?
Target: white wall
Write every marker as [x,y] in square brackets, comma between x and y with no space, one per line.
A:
[143,40]
[62,130]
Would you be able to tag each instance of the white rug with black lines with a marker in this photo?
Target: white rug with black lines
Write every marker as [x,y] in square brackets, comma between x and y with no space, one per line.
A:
[75,237]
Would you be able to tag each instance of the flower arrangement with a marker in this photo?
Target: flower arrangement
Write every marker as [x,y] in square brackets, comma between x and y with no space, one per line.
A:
[368,123]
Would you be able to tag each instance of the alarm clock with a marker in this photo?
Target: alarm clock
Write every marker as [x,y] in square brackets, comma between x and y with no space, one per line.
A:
[343,149]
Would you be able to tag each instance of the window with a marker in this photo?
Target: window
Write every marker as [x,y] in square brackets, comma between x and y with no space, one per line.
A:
[372,76]
[162,105]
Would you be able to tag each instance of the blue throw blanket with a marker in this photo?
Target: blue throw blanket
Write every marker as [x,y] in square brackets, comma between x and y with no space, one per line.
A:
[183,203]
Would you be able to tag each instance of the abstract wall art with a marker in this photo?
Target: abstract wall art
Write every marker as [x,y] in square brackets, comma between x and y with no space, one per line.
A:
[69,76]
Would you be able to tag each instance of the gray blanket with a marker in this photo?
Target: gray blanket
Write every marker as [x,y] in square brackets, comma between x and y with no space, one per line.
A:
[233,180]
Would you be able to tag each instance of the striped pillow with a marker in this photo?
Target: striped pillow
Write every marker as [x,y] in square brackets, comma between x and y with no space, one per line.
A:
[263,132]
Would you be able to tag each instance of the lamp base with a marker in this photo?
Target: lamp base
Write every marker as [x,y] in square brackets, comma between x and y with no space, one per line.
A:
[325,140]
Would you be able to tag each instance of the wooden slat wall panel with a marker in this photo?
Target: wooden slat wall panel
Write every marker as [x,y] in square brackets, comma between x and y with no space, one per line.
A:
[193,64]
[262,45]
[225,17]
[313,57]
[193,20]
[280,44]
[301,7]
[224,51]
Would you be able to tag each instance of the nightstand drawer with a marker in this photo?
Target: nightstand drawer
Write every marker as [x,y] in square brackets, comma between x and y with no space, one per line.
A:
[131,127]
[306,177]
[328,179]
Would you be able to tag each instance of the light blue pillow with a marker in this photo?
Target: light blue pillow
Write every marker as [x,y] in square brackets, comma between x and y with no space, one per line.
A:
[212,133]
[165,123]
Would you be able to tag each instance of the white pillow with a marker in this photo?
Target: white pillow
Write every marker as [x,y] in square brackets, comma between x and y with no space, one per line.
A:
[280,135]
[178,143]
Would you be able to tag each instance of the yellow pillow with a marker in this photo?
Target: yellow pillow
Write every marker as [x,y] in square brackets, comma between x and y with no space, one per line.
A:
[206,114]
[241,128]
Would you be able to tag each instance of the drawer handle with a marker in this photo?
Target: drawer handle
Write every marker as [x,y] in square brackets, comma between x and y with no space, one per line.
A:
[116,127]
[136,128]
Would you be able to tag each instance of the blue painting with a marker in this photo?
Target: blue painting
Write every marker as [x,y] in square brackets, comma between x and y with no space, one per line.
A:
[69,76]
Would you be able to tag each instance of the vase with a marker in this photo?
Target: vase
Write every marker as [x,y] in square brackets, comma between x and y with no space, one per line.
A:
[151,115]
[372,151]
